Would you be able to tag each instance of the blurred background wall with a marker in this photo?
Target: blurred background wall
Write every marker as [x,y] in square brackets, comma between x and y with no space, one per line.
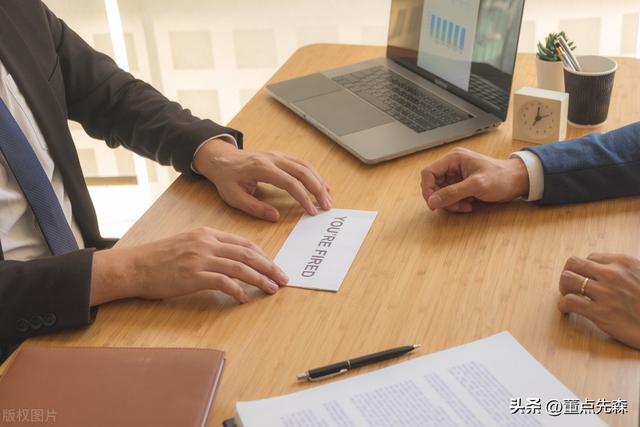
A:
[213,55]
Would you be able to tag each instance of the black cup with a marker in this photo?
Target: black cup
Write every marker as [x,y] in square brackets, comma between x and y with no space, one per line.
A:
[590,90]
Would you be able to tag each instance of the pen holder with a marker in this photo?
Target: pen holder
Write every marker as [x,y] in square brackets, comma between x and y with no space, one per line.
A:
[590,90]
[549,74]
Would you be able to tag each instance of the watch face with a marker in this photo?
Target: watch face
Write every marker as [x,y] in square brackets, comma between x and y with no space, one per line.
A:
[536,119]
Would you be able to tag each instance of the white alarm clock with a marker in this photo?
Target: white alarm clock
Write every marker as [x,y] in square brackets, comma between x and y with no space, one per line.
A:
[540,115]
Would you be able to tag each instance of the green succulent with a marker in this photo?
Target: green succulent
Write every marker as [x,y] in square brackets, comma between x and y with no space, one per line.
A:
[547,51]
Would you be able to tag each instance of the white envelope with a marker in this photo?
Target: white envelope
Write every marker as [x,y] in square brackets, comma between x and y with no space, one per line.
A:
[320,250]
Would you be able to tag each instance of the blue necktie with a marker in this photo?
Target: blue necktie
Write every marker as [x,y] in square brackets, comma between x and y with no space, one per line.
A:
[35,185]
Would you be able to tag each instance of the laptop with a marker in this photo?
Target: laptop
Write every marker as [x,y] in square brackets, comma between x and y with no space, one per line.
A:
[447,75]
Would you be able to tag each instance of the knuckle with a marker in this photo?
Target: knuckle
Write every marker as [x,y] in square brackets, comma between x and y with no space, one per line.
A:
[572,261]
[459,150]
[424,173]
[194,235]
[297,187]
[630,262]
[308,176]
[566,274]
[565,304]
[611,274]
[480,182]
[563,285]
[237,269]
[220,282]
[200,247]
[249,256]
[202,230]
[304,163]
[273,271]
[202,234]
[258,161]
[191,265]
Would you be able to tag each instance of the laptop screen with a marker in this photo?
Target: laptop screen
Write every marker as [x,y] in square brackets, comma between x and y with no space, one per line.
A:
[468,45]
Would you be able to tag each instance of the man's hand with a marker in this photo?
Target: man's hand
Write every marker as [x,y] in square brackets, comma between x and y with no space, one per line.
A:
[462,176]
[236,174]
[190,262]
[611,297]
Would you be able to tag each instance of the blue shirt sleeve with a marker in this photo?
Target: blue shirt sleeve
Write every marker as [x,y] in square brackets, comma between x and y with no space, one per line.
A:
[595,167]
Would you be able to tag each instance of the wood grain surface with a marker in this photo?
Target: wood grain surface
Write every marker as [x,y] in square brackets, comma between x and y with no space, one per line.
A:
[421,277]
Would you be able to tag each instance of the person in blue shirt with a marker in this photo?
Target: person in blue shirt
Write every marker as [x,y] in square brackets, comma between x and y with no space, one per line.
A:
[603,287]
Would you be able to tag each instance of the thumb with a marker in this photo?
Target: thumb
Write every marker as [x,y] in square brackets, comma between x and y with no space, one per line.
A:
[453,193]
[240,199]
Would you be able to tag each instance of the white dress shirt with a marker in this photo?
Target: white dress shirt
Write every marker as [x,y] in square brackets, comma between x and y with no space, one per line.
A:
[535,172]
[19,231]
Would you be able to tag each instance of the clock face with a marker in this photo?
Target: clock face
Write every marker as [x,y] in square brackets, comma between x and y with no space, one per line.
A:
[537,119]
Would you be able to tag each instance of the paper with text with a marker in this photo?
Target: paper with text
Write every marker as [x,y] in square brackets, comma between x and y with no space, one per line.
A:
[470,385]
[320,250]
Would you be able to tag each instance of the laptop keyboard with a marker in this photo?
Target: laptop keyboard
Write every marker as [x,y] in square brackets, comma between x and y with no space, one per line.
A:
[487,92]
[402,99]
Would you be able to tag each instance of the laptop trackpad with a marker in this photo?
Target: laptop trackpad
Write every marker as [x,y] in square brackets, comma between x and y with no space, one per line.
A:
[343,113]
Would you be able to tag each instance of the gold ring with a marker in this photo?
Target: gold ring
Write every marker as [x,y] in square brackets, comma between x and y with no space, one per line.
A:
[585,282]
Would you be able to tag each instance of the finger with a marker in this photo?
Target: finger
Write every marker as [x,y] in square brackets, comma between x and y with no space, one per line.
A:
[291,185]
[434,174]
[572,303]
[311,168]
[234,239]
[429,186]
[586,268]
[242,272]
[246,202]
[463,206]
[447,164]
[308,179]
[222,283]
[571,283]
[254,260]
[604,258]
[454,193]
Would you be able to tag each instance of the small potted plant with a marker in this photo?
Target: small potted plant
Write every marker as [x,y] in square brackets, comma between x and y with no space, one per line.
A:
[549,65]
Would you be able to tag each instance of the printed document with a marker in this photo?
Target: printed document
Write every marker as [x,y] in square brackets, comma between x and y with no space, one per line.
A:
[490,382]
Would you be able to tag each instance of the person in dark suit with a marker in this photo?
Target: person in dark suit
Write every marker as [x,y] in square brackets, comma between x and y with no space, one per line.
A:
[55,268]
[605,288]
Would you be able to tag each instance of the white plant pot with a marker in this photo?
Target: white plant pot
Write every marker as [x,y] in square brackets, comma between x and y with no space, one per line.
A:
[550,75]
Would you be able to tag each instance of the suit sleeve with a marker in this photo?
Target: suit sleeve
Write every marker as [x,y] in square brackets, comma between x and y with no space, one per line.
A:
[595,167]
[114,106]
[44,295]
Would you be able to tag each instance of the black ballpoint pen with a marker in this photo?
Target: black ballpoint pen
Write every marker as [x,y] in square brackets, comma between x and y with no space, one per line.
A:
[342,367]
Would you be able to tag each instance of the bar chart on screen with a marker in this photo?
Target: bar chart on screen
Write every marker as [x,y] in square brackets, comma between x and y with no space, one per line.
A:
[447,32]
[447,37]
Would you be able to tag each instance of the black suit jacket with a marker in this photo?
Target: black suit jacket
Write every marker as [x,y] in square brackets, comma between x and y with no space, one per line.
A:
[63,78]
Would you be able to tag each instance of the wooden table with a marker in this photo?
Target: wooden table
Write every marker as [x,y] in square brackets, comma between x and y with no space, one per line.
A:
[421,277]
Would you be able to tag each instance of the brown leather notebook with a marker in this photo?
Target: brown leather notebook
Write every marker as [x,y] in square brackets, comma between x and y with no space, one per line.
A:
[80,386]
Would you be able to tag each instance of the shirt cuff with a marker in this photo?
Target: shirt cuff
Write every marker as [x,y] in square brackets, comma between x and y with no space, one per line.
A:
[535,172]
[230,139]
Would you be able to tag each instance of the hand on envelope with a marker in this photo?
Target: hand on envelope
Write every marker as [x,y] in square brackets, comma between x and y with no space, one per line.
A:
[183,264]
